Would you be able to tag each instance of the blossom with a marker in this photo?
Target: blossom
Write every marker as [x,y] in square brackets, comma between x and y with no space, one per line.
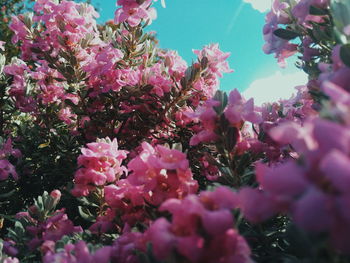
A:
[200,229]
[281,47]
[163,173]
[100,163]
[78,252]
[217,63]
[208,120]
[134,13]
[239,110]
[6,167]
[314,191]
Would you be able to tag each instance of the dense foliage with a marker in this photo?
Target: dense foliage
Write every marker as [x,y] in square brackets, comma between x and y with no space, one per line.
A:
[114,150]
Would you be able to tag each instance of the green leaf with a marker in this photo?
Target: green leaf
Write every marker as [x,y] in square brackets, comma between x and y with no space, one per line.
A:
[221,97]
[286,34]
[19,229]
[7,195]
[345,54]
[317,11]
[86,214]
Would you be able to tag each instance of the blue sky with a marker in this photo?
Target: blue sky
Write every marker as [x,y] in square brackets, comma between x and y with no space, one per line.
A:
[190,24]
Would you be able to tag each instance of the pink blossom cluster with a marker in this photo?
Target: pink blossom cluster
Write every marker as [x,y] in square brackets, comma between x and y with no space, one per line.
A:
[100,163]
[208,118]
[133,12]
[164,173]
[237,112]
[18,89]
[334,82]
[295,17]
[74,68]
[52,229]
[201,229]
[7,168]
[314,188]
[67,24]
[74,253]
[155,175]
[42,224]
[215,62]
[301,11]
[55,32]
[280,47]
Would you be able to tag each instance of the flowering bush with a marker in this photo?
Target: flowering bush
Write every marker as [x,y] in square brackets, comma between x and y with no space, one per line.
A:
[147,161]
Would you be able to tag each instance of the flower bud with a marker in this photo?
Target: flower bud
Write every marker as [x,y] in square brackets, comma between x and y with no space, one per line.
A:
[56,195]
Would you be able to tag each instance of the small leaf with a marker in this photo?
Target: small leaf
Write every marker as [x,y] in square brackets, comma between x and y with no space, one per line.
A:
[19,229]
[231,138]
[43,145]
[286,34]
[345,54]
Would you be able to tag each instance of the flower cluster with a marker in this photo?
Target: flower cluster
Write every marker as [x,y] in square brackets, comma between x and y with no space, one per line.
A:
[134,12]
[201,229]
[101,163]
[156,174]
[73,253]
[288,20]
[6,168]
[313,191]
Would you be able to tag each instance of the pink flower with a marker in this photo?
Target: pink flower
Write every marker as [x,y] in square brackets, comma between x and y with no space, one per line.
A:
[79,252]
[314,189]
[100,164]
[134,13]
[239,110]
[273,44]
[217,63]
[124,247]
[256,205]
[11,260]
[208,119]
[163,173]
[200,229]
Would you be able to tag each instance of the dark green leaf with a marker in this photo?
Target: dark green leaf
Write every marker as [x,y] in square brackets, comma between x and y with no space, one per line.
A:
[86,214]
[345,54]
[221,97]
[286,34]
[317,11]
